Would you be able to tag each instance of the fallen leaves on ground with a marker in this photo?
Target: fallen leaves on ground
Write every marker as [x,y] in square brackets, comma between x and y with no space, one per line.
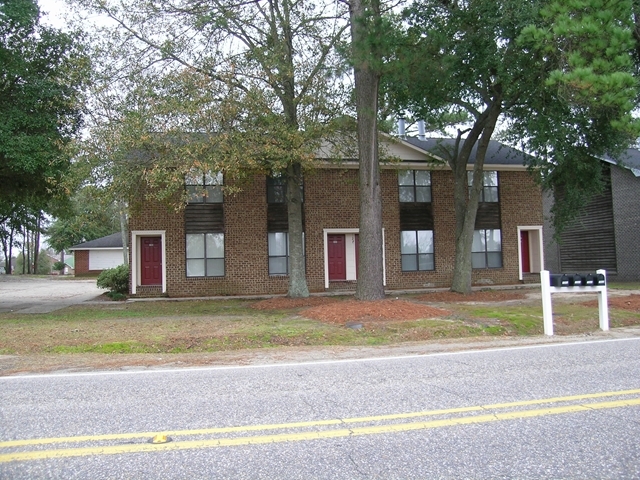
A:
[629,302]
[285,303]
[480,296]
[354,310]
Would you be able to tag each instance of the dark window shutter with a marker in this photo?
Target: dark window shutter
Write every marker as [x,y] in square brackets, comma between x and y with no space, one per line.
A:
[488,216]
[277,217]
[416,216]
[204,218]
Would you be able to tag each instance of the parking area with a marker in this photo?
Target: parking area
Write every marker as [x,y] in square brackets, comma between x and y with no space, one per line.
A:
[24,294]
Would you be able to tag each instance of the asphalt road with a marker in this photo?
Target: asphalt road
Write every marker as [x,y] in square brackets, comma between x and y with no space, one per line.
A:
[547,411]
[26,294]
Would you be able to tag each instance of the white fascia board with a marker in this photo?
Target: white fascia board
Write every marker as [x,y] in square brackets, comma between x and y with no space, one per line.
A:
[413,165]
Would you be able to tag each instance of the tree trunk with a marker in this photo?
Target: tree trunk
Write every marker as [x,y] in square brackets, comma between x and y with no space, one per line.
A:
[28,259]
[36,243]
[123,232]
[25,258]
[466,203]
[297,272]
[5,252]
[11,235]
[367,81]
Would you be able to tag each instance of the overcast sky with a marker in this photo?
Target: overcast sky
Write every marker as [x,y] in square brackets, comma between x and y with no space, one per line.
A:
[55,12]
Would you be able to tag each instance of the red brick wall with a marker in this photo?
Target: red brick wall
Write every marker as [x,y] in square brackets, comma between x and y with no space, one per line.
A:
[331,201]
[82,264]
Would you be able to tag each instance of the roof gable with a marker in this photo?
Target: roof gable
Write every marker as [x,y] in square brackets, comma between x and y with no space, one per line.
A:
[630,159]
[110,241]
[434,150]
[497,153]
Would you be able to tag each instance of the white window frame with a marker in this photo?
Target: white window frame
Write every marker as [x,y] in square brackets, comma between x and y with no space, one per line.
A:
[205,258]
[485,251]
[482,197]
[415,186]
[216,183]
[417,253]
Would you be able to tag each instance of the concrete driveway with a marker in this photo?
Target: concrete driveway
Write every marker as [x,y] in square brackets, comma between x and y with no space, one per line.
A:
[25,294]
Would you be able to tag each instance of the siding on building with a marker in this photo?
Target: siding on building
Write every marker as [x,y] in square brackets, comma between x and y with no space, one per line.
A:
[605,234]
[626,212]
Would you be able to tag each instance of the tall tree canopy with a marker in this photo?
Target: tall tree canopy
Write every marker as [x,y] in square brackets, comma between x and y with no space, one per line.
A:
[264,74]
[89,218]
[557,74]
[42,77]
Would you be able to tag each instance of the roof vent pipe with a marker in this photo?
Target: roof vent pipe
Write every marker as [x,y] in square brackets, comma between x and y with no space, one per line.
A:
[401,128]
[421,133]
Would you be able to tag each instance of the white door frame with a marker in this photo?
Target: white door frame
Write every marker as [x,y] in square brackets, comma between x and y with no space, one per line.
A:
[344,231]
[536,252]
[135,257]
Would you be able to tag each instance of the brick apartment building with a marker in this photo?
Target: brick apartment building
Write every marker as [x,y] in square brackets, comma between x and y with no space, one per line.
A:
[232,244]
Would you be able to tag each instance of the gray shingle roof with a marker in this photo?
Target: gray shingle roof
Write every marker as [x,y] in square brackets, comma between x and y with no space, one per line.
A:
[497,153]
[110,241]
[630,159]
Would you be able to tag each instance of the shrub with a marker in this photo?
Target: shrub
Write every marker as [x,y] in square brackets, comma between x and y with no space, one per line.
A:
[58,266]
[115,279]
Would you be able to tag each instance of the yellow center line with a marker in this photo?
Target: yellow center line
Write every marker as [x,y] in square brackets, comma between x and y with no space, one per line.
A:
[305,436]
[313,423]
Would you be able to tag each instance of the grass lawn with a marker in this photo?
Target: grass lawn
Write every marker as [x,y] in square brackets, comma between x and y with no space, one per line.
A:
[225,325]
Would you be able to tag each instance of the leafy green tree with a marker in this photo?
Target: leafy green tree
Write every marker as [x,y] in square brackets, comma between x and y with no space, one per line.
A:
[556,74]
[42,264]
[88,219]
[267,76]
[42,78]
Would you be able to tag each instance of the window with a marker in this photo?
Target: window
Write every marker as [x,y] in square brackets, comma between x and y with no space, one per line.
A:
[204,187]
[417,250]
[277,189]
[279,253]
[205,254]
[489,192]
[414,186]
[486,251]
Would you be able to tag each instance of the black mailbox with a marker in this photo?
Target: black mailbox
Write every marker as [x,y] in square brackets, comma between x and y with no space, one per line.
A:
[574,279]
[589,279]
[593,279]
[559,280]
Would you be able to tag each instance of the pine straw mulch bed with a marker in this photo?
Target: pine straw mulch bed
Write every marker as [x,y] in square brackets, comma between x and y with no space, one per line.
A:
[340,311]
[479,296]
[629,302]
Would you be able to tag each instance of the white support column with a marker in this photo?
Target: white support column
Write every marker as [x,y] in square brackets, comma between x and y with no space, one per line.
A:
[547,311]
[547,290]
[603,307]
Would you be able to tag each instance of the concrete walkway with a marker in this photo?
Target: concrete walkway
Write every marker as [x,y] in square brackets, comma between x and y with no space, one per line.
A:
[26,294]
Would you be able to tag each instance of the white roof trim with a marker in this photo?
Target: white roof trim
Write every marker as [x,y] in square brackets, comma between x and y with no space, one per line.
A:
[413,165]
[96,248]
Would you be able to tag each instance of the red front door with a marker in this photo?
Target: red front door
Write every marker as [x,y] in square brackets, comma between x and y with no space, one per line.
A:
[524,249]
[151,261]
[337,260]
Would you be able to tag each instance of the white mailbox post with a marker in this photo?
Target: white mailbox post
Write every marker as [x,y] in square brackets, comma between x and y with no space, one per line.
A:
[547,290]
